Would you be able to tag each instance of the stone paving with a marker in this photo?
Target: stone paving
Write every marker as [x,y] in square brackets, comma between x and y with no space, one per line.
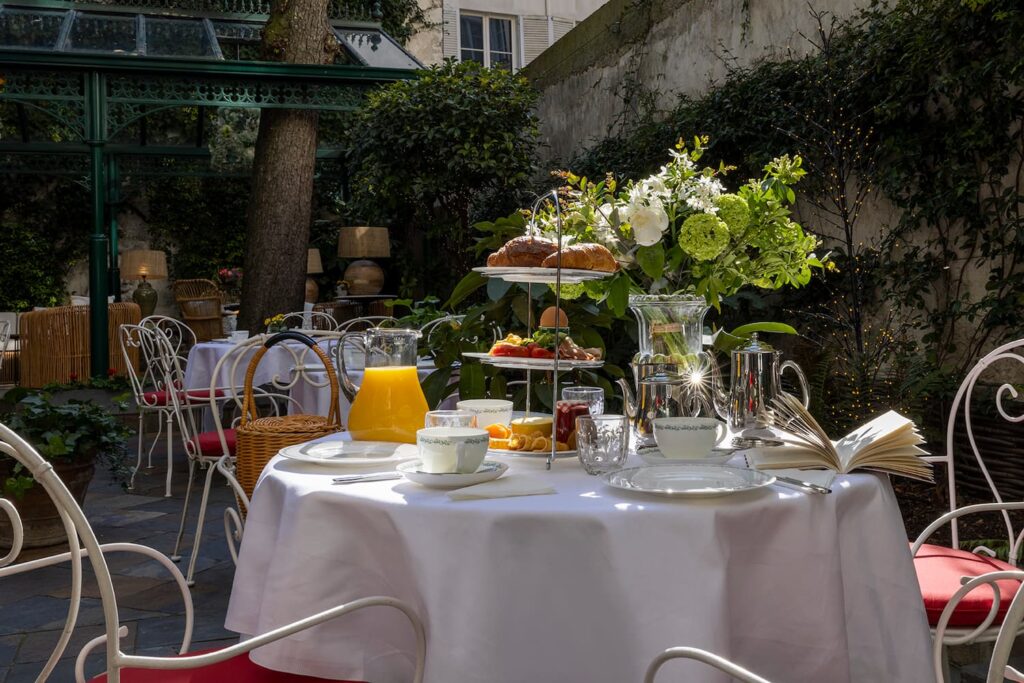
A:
[33,606]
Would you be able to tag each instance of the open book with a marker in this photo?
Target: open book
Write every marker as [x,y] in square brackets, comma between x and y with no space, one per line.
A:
[889,443]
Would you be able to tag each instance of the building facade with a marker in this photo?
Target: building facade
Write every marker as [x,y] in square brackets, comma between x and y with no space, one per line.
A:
[505,33]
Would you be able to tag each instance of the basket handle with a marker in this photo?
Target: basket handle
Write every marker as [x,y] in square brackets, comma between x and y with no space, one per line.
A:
[249,400]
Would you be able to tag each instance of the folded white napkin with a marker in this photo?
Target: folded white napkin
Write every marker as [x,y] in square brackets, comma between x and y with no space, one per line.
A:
[504,487]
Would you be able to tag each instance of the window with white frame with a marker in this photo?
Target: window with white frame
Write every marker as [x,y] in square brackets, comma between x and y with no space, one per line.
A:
[487,39]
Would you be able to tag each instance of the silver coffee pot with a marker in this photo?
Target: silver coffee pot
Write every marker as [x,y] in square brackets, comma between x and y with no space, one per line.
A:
[756,379]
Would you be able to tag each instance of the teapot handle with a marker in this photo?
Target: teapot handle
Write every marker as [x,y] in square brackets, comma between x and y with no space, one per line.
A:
[348,386]
[801,378]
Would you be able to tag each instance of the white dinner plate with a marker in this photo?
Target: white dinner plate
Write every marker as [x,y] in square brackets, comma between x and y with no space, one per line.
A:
[336,453]
[514,363]
[688,481]
[488,470]
[652,455]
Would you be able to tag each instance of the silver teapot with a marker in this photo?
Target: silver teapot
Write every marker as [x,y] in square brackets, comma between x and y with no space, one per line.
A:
[661,391]
[756,379]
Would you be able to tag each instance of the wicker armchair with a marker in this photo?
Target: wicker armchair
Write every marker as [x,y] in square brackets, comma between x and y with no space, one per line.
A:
[200,302]
[55,343]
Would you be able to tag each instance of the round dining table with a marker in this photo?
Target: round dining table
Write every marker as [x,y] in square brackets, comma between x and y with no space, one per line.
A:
[585,584]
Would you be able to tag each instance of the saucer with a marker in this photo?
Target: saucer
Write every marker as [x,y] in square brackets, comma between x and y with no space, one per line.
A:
[652,455]
[488,470]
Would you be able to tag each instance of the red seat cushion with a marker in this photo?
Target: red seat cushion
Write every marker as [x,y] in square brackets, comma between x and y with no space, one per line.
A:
[159,398]
[238,669]
[209,443]
[939,570]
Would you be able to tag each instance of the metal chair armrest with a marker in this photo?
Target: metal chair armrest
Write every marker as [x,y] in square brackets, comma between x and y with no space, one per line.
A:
[709,658]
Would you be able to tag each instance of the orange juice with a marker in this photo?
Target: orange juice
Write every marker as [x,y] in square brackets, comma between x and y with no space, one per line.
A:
[390,405]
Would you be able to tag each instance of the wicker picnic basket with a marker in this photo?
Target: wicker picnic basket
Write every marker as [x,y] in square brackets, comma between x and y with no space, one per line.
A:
[260,438]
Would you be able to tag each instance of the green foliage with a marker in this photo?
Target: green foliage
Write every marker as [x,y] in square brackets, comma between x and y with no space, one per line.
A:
[923,101]
[421,152]
[201,221]
[74,431]
[45,225]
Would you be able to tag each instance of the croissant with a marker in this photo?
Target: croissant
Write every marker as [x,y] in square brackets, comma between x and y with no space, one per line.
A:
[584,257]
[526,250]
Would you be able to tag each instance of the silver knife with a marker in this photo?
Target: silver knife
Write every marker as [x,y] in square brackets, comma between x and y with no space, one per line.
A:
[374,476]
[805,485]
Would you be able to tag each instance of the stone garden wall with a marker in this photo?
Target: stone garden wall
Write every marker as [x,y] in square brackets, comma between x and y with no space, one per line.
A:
[669,47]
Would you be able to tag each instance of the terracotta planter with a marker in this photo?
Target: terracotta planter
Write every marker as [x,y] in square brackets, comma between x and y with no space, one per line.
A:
[42,524]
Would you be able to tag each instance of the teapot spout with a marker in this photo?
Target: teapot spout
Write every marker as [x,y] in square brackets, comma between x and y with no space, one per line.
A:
[628,398]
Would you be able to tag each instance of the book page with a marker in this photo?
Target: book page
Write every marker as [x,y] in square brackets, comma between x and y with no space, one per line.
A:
[882,431]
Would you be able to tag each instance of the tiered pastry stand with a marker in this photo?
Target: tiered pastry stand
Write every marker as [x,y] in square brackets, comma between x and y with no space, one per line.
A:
[557,276]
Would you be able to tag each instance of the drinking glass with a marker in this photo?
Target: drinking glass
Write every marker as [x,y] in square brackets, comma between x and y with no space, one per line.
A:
[592,396]
[450,418]
[601,442]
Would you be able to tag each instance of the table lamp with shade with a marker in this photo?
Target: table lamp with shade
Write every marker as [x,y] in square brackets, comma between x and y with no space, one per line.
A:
[314,266]
[144,265]
[364,243]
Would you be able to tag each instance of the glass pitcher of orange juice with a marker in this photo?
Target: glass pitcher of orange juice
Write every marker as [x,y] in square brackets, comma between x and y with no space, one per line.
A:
[389,405]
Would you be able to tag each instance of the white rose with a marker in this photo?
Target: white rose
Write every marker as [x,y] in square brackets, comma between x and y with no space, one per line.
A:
[648,222]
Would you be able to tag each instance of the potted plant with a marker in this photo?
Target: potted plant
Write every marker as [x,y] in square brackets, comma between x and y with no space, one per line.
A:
[73,436]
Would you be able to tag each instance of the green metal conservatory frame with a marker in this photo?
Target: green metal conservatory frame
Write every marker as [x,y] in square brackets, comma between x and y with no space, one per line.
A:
[97,70]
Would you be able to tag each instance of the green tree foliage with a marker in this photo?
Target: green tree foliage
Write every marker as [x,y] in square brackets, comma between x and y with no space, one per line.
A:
[45,226]
[423,151]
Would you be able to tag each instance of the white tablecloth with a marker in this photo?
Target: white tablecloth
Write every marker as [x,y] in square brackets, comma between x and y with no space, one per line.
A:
[278,362]
[588,584]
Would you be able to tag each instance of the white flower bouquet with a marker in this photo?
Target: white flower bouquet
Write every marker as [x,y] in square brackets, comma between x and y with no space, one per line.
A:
[679,231]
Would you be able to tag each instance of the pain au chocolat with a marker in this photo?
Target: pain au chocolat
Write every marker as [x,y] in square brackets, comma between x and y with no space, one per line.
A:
[584,257]
[524,251]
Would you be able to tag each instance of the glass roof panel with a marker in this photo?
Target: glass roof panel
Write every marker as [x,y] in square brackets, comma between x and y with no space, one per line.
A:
[178,38]
[30,28]
[376,48]
[103,33]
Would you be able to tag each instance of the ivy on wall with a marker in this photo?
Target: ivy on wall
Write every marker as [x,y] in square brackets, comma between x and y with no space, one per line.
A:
[923,102]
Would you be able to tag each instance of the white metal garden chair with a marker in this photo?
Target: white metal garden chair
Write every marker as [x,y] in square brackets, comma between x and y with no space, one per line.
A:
[206,448]
[942,571]
[304,321]
[228,664]
[999,668]
[720,663]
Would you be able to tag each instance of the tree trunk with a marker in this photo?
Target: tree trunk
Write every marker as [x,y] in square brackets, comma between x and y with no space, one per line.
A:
[278,218]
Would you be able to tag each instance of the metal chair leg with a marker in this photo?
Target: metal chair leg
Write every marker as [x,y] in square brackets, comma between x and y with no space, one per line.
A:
[138,455]
[176,555]
[190,576]
[170,456]
[159,431]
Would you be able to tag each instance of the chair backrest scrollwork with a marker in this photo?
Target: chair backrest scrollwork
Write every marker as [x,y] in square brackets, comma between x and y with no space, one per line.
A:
[963,413]
[82,543]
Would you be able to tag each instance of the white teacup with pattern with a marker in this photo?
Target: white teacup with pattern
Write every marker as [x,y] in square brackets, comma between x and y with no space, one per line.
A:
[687,437]
[448,450]
[488,411]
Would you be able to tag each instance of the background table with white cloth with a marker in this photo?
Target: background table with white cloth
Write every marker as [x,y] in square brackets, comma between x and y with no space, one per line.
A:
[588,584]
[279,362]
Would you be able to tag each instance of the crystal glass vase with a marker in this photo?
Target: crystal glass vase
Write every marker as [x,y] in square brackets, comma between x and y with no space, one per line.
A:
[671,328]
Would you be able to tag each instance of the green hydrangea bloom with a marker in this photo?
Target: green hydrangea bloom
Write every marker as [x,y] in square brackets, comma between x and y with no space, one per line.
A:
[734,212]
[704,236]
[571,291]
